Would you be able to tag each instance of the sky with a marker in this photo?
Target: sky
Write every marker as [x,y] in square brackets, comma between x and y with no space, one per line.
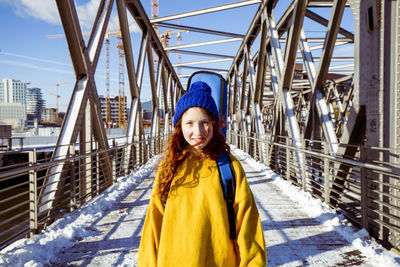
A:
[82,232]
[28,54]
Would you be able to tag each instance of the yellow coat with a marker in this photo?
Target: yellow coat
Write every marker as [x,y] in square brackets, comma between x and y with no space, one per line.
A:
[193,230]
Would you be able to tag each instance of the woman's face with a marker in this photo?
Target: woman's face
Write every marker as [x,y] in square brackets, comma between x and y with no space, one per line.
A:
[197,127]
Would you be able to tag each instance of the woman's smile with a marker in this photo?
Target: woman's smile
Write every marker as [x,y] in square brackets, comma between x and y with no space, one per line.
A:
[197,127]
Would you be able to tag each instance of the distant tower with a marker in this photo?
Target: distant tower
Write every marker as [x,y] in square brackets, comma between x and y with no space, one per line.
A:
[34,103]
[12,91]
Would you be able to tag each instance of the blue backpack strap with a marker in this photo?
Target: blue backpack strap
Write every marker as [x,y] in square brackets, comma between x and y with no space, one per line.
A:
[227,179]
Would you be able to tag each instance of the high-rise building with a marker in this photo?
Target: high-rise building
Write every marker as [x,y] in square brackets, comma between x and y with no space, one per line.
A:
[113,111]
[13,103]
[12,91]
[34,104]
[49,115]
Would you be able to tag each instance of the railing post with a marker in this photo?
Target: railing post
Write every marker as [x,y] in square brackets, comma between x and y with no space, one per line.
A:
[144,152]
[134,156]
[160,145]
[140,150]
[287,159]
[304,170]
[21,143]
[33,197]
[122,162]
[72,200]
[127,157]
[255,147]
[268,151]
[114,162]
[97,169]
[327,174]
[156,151]
[364,190]
[10,143]
[151,150]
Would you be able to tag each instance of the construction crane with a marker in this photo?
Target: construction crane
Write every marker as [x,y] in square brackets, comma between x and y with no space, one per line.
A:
[57,97]
[121,90]
[107,87]
[56,94]
[121,87]
[179,42]
[164,39]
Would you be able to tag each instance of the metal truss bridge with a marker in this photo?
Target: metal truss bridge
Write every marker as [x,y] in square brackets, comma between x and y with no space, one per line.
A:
[319,107]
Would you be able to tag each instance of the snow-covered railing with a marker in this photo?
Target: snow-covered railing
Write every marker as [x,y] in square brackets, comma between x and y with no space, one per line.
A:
[21,209]
[346,183]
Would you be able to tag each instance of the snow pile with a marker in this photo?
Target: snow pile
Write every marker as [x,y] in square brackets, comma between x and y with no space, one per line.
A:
[377,255]
[67,231]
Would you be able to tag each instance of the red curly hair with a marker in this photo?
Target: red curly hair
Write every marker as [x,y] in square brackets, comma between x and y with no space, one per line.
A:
[178,149]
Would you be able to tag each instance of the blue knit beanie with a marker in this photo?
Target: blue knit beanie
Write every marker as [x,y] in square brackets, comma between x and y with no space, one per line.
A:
[199,95]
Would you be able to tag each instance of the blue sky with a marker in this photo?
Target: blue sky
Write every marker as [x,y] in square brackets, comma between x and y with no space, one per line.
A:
[27,55]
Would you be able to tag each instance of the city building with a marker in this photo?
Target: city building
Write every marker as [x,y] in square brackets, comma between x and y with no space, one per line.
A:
[112,121]
[34,105]
[13,114]
[12,91]
[13,103]
[49,115]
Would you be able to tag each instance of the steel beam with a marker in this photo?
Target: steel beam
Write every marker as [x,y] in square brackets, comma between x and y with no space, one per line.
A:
[197,53]
[284,95]
[204,43]
[84,61]
[202,62]
[205,11]
[196,29]
[319,80]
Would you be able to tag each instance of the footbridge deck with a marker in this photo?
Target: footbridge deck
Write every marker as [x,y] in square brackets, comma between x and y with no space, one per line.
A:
[312,94]
[299,230]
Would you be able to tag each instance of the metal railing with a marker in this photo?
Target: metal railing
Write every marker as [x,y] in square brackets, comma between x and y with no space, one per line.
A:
[21,183]
[365,191]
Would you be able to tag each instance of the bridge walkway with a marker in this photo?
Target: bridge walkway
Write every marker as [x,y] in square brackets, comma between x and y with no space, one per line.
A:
[296,232]
[294,237]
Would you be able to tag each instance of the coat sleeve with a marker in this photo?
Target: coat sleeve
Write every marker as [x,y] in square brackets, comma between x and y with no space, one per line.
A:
[150,239]
[249,232]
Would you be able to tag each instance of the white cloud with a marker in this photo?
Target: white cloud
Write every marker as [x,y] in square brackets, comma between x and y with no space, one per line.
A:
[33,66]
[42,9]
[87,14]
[34,58]
[47,11]
[113,24]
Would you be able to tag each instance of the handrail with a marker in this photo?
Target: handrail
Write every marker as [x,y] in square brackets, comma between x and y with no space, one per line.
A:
[22,216]
[320,177]
[360,164]
[351,186]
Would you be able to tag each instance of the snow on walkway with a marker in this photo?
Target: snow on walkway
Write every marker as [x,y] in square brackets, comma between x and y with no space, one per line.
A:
[299,230]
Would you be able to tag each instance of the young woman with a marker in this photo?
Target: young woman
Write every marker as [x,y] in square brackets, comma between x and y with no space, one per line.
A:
[187,219]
